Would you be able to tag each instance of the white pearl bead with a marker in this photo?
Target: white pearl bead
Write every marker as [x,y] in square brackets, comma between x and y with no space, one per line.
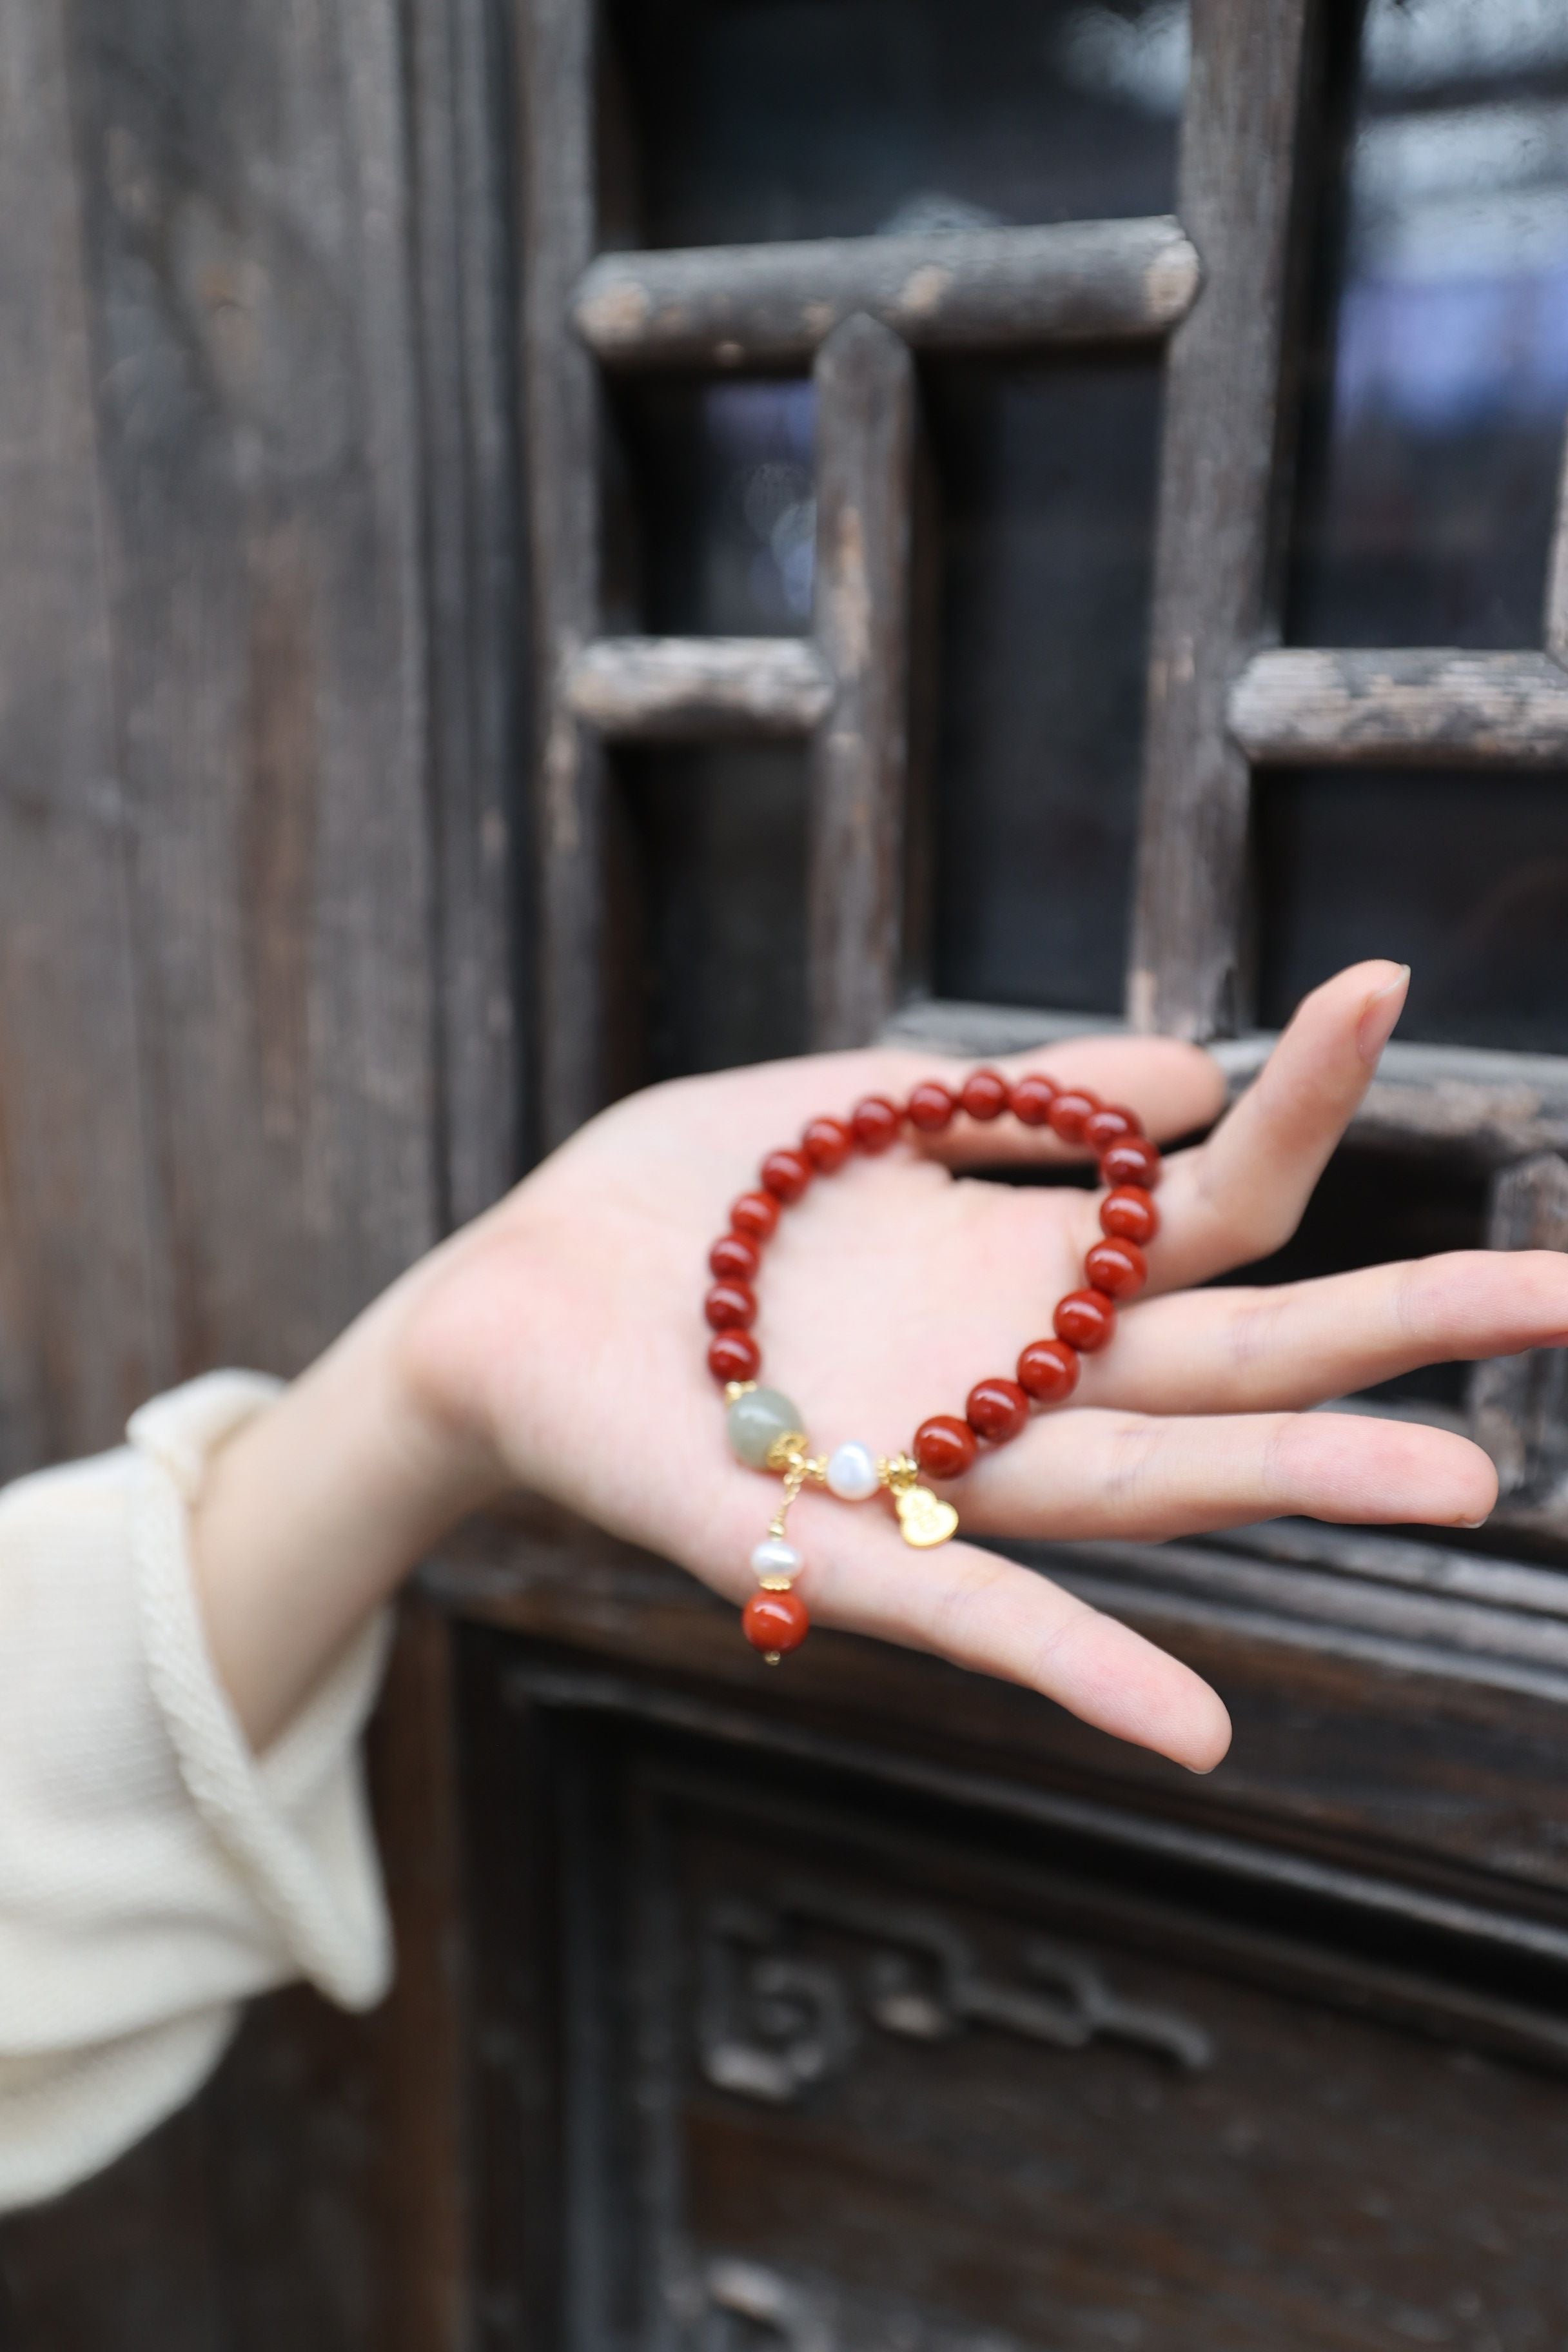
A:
[774,1557]
[852,1472]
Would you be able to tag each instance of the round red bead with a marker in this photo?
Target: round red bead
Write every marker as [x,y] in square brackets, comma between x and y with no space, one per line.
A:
[1069,1112]
[876,1123]
[1119,1268]
[1049,1369]
[734,1255]
[785,1174]
[775,1622]
[731,1305]
[1085,1319]
[828,1143]
[756,1214]
[932,1107]
[996,1409]
[1134,1161]
[1128,1214]
[944,1447]
[984,1094]
[1033,1096]
[733,1356]
[1108,1123]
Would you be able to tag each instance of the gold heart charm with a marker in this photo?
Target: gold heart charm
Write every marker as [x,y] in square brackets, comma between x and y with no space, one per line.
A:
[924,1518]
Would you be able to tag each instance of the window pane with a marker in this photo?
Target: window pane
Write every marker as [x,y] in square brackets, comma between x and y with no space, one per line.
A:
[711,900]
[1462,876]
[1438,371]
[721,516]
[1048,492]
[764,118]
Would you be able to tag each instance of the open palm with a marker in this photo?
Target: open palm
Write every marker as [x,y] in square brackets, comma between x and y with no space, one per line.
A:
[567,1324]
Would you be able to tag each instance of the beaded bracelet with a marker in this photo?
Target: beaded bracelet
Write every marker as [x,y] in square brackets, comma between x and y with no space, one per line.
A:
[764,1427]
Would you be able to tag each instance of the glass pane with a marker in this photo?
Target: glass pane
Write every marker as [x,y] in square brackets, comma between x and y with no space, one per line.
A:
[762,118]
[1438,371]
[721,513]
[713,905]
[1048,494]
[1464,877]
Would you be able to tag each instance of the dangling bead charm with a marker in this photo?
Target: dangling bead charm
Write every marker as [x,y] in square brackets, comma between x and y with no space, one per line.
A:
[774,1623]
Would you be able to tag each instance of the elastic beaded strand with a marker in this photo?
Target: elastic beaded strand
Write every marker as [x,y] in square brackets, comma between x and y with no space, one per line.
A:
[765,1426]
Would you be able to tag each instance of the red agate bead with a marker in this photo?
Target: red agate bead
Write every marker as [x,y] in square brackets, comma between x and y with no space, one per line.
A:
[1119,1268]
[785,1174]
[876,1123]
[1085,1319]
[984,1094]
[944,1447]
[1033,1096]
[1134,1161]
[731,1305]
[930,1107]
[1070,1111]
[734,1255]
[828,1143]
[756,1214]
[1108,1123]
[1049,1369]
[996,1409]
[775,1622]
[1128,1214]
[733,1355]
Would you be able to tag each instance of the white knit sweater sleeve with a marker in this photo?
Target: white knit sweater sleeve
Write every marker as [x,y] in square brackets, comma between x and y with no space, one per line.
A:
[154,1872]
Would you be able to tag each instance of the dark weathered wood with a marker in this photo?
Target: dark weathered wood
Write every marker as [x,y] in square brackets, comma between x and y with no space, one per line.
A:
[1217,496]
[561,422]
[1439,708]
[698,689]
[991,290]
[479,715]
[865,428]
[86,1319]
[224,848]
[1518,1404]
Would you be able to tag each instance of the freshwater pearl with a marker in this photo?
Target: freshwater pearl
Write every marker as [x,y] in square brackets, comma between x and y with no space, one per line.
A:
[754,1421]
[774,1557]
[852,1472]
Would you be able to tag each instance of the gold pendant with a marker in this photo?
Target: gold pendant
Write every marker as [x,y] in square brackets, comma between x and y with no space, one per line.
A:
[924,1518]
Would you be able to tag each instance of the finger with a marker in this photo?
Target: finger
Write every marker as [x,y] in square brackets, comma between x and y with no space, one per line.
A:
[993,1617]
[1241,1194]
[1301,1343]
[1097,1473]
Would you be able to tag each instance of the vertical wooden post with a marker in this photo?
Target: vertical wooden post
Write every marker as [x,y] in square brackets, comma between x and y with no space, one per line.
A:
[1518,1404]
[865,464]
[562,403]
[1217,494]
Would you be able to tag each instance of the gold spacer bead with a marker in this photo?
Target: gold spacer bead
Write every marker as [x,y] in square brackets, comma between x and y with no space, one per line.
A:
[774,1583]
[735,1390]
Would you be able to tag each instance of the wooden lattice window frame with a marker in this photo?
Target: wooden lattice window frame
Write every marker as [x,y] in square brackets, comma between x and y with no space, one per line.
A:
[1216,286]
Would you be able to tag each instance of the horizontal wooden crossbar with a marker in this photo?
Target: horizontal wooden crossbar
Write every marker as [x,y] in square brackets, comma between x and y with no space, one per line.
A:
[987,289]
[1437,707]
[690,689]
[1475,1105]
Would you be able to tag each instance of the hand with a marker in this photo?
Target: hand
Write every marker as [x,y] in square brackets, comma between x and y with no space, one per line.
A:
[566,1327]
[558,1343]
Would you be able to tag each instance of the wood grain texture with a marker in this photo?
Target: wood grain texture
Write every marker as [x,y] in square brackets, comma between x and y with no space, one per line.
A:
[989,290]
[1518,1404]
[1439,708]
[699,690]
[232,854]
[865,429]
[1217,482]
[562,403]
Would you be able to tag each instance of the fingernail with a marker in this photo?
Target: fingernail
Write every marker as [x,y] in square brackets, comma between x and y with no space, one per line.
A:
[1378,1015]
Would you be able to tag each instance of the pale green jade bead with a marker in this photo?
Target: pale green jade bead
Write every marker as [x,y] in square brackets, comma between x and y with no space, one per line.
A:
[754,1421]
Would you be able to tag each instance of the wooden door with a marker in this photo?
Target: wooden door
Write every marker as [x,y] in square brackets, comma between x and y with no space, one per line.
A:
[1043,516]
